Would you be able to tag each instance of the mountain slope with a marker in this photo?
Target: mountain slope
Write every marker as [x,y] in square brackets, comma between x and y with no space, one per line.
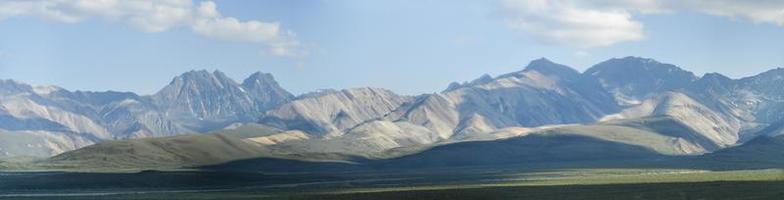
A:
[164,152]
[544,93]
[715,130]
[332,113]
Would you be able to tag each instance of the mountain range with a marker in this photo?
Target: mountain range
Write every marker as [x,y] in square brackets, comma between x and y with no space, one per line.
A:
[619,109]
[48,120]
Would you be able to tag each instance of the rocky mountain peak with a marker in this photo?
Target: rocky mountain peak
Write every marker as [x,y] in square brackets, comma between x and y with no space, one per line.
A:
[547,67]
[634,78]
[204,95]
[203,78]
[265,91]
[259,78]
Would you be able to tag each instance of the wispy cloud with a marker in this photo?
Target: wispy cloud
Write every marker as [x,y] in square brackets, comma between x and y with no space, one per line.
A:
[595,23]
[161,15]
[758,11]
[567,23]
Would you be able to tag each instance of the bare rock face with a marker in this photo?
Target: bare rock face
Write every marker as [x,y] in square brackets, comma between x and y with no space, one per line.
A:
[204,96]
[265,92]
[200,101]
[332,113]
[544,93]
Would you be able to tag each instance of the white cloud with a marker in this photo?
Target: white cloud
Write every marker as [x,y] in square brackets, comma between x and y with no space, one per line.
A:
[161,15]
[595,23]
[565,23]
[211,24]
[758,11]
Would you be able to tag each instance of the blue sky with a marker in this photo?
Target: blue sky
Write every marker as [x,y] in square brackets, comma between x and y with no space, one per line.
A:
[409,46]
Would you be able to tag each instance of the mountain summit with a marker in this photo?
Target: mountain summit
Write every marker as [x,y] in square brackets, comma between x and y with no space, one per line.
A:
[265,91]
[632,79]
[547,67]
[204,95]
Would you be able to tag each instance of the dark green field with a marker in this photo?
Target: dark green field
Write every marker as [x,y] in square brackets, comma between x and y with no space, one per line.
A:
[476,184]
[674,191]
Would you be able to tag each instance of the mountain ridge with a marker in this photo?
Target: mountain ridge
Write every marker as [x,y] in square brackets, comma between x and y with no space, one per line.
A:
[195,101]
[667,110]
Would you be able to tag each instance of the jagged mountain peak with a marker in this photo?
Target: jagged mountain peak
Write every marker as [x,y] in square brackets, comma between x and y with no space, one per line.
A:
[263,81]
[265,91]
[259,77]
[202,77]
[213,95]
[198,81]
[194,74]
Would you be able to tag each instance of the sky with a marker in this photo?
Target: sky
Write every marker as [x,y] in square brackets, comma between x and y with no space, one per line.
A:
[408,46]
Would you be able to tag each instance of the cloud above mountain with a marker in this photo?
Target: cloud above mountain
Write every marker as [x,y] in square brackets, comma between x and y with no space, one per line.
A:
[154,16]
[597,23]
[566,23]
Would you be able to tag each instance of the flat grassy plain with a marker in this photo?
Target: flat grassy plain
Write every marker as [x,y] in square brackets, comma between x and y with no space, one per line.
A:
[477,184]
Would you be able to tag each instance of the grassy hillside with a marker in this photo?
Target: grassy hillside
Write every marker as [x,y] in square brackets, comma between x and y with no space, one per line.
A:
[761,152]
[163,153]
[621,143]
[611,144]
